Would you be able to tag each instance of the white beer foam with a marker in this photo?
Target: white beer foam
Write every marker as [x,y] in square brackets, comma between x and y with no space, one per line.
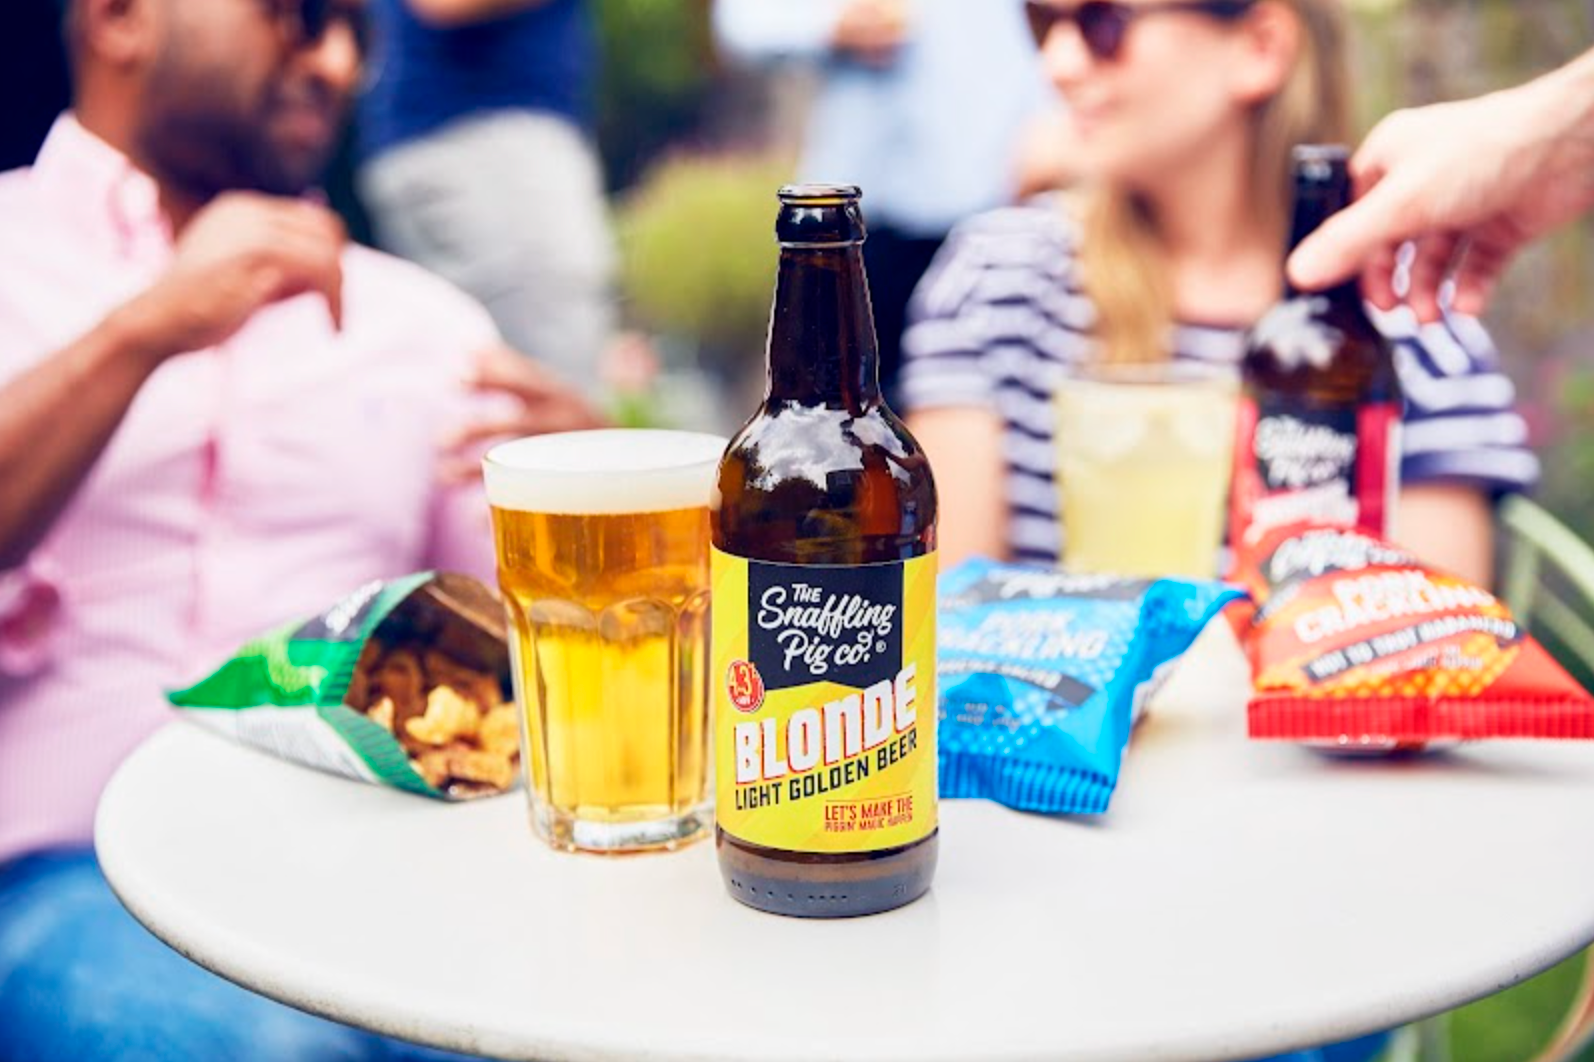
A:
[604,472]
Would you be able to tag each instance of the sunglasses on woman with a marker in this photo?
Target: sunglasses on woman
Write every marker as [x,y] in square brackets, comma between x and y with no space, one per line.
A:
[1103,24]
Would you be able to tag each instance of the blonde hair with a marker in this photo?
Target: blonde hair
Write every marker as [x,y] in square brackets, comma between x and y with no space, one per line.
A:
[1123,261]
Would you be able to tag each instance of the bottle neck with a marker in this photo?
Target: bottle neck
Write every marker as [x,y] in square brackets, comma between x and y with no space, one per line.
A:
[1315,203]
[822,345]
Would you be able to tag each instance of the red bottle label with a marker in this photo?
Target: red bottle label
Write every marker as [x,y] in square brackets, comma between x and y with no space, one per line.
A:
[1335,466]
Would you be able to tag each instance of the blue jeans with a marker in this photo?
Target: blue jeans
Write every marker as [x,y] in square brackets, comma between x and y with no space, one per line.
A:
[80,979]
[1363,1050]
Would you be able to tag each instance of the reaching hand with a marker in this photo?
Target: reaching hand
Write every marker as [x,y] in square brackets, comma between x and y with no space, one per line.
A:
[1469,183]
[240,253]
[542,404]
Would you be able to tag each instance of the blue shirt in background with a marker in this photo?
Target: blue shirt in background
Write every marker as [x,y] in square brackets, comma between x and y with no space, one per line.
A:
[540,59]
[930,138]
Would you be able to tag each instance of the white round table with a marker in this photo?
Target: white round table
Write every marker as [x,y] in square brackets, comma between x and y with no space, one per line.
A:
[1239,899]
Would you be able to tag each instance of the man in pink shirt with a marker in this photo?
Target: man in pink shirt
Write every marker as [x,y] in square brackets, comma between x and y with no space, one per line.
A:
[215,415]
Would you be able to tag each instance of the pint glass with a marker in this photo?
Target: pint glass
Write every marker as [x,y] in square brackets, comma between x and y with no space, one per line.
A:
[602,542]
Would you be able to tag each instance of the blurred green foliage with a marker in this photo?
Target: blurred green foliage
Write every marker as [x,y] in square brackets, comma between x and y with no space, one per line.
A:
[698,252]
[1514,1025]
[1410,52]
[1568,382]
[657,73]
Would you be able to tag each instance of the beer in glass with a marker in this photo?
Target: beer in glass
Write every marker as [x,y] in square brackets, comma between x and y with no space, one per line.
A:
[602,549]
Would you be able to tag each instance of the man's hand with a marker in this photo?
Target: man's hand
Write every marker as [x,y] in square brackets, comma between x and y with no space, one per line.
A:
[240,253]
[544,404]
[872,31]
[1469,183]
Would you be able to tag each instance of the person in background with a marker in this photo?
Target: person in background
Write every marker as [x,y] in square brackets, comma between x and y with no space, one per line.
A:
[476,163]
[215,415]
[1184,114]
[1471,183]
[921,103]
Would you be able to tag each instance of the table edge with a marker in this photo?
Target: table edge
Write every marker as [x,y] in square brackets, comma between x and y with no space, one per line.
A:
[266,978]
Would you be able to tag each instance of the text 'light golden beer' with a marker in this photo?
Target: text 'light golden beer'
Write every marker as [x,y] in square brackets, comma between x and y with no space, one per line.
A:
[602,546]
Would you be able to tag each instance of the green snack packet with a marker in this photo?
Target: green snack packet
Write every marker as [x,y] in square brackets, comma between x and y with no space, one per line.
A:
[400,683]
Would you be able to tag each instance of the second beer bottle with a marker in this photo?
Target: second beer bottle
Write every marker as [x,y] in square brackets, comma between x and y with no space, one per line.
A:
[1319,432]
[824,603]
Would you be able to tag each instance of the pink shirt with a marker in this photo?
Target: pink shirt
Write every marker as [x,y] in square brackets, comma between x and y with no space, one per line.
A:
[249,484]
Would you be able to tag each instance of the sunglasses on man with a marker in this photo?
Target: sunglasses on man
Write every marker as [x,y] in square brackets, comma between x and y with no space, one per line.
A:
[1103,24]
[307,22]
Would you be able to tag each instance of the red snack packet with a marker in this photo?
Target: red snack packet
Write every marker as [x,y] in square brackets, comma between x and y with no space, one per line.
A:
[1357,644]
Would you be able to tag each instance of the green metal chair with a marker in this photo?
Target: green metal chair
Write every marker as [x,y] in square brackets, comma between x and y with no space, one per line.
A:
[1548,580]
[1547,577]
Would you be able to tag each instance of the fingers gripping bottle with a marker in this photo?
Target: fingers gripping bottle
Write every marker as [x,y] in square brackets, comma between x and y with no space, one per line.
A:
[824,603]
[1319,425]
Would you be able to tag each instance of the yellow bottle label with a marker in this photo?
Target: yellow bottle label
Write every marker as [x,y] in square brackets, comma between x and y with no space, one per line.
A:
[824,703]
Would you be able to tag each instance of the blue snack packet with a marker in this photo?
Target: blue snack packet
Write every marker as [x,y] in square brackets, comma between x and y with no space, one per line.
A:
[1043,673]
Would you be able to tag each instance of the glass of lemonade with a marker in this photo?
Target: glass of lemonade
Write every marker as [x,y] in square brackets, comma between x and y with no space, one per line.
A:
[602,542]
[1143,464]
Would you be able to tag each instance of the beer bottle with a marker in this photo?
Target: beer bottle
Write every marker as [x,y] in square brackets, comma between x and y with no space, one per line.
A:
[1319,424]
[824,603]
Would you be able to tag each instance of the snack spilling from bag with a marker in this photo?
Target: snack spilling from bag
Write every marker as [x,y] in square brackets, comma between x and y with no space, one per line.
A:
[401,683]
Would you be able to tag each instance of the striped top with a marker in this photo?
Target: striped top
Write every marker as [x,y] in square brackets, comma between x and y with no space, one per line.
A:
[1002,313]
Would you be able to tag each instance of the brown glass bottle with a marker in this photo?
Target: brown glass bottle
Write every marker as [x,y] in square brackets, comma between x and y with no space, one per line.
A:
[1319,426]
[826,480]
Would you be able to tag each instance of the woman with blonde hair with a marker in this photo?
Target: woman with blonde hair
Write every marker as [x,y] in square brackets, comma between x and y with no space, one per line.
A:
[1183,116]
